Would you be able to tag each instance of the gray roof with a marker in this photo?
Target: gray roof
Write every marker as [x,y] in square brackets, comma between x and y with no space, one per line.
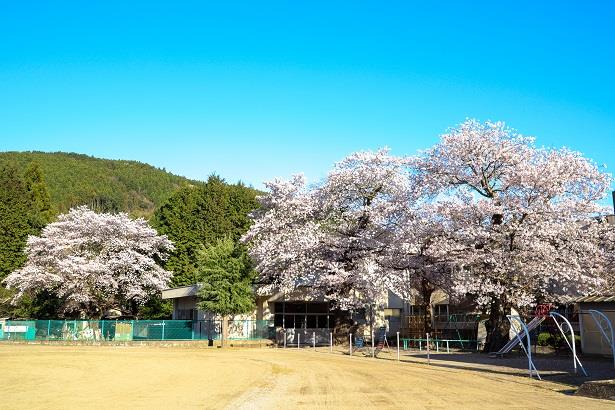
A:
[606,297]
[180,292]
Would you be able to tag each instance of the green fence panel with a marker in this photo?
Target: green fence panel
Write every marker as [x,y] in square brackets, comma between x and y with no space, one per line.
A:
[178,330]
[127,330]
[19,330]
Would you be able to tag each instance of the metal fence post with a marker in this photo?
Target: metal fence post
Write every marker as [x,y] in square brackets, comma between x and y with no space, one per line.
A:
[284,338]
[48,328]
[298,340]
[398,346]
[163,330]
[330,342]
[102,330]
[314,340]
[350,343]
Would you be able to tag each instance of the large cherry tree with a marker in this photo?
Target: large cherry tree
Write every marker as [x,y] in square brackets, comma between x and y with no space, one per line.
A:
[523,223]
[484,214]
[93,262]
[417,270]
[332,238]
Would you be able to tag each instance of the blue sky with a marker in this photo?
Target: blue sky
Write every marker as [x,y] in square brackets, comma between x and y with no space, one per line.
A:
[256,90]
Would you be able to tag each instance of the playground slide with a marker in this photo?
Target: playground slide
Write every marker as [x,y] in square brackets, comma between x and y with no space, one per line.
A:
[515,341]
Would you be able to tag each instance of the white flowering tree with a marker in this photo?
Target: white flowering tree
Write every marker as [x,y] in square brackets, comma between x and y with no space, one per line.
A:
[332,237]
[483,214]
[93,262]
[417,270]
[522,222]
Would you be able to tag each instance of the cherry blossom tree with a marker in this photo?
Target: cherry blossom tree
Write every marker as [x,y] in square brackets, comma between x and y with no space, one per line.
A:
[331,237]
[523,223]
[483,214]
[93,262]
[418,271]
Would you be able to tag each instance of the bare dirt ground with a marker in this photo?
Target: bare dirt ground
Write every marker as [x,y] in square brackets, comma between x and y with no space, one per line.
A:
[71,377]
[554,368]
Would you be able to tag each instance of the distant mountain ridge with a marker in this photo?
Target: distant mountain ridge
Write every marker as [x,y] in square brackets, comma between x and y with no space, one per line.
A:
[103,184]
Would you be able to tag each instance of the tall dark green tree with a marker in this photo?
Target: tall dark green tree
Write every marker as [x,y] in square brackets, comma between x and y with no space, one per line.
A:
[225,276]
[199,215]
[41,211]
[24,210]
[16,219]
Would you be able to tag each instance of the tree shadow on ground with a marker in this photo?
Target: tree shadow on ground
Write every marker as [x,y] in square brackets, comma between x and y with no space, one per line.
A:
[556,368]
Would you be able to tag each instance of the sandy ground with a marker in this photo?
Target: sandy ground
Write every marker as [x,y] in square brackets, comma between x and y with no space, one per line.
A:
[65,377]
[554,368]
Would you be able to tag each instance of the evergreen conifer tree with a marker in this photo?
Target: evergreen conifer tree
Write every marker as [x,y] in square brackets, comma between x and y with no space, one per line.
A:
[225,278]
[198,216]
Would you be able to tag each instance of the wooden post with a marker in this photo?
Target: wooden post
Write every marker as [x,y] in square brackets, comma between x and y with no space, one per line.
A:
[224,328]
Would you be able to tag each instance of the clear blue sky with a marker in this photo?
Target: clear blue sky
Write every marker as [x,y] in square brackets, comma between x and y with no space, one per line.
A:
[263,89]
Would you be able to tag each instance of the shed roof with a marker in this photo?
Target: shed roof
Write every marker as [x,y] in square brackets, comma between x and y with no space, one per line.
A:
[606,297]
[181,292]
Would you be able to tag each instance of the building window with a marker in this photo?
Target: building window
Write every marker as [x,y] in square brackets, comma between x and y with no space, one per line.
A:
[392,312]
[187,314]
[441,310]
[301,315]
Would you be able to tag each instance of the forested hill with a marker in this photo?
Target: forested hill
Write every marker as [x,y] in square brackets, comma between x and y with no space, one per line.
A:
[102,184]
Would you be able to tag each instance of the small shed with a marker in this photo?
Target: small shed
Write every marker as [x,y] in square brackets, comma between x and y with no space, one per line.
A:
[593,341]
[184,302]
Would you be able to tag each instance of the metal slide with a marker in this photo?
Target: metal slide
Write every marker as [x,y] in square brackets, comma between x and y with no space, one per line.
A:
[512,343]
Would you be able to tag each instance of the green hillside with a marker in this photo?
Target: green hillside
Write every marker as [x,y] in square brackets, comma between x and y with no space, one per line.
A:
[102,184]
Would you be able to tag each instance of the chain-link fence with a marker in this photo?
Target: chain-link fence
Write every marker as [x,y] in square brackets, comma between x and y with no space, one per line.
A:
[127,330]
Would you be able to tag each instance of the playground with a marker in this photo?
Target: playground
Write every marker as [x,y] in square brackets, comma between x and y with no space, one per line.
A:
[56,376]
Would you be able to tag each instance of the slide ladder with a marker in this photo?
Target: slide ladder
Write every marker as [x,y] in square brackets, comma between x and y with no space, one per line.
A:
[512,343]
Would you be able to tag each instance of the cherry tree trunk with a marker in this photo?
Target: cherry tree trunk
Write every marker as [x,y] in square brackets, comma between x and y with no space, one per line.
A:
[497,326]
[426,293]
[224,330]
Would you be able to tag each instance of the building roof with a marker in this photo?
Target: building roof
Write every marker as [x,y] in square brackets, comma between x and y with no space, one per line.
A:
[596,298]
[180,292]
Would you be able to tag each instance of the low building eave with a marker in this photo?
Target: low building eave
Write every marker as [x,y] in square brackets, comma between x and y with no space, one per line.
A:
[180,292]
